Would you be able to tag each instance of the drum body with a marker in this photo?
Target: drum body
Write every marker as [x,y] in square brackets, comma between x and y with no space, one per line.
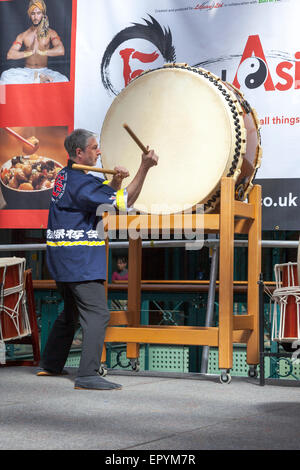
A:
[14,321]
[200,127]
[286,296]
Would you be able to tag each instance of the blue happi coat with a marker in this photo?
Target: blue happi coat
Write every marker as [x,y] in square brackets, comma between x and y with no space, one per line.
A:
[75,252]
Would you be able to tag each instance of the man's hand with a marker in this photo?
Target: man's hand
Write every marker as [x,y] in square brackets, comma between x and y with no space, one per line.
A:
[117,179]
[149,159]
[35,44]
[40,52]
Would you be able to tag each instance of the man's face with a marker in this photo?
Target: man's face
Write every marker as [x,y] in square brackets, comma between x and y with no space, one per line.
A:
[36,16]
[90,155]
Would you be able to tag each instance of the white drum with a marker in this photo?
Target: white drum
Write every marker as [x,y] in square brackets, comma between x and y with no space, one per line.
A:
[286,305]
[200,127]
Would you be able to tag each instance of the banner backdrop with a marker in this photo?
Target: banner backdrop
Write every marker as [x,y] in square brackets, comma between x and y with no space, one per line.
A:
[252,44]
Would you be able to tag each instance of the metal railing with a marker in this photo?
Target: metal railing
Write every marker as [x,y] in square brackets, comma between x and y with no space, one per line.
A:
[160,244]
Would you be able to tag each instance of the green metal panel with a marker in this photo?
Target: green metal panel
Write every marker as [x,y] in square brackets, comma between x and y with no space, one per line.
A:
[169,358]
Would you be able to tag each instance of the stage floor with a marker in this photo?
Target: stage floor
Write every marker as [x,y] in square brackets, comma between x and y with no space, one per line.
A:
[153,411]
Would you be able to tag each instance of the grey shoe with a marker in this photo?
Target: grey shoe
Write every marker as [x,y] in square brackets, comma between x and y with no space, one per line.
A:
[95,382]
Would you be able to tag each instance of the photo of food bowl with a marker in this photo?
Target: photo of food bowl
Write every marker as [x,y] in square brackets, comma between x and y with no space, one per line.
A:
[30,159]
[27,181]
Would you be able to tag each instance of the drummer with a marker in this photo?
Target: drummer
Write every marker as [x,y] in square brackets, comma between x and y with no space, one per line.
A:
[76,256]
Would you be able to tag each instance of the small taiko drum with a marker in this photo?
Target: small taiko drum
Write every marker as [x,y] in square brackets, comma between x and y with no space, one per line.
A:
[287,297]
[201,128]
[290,279]
[14,322]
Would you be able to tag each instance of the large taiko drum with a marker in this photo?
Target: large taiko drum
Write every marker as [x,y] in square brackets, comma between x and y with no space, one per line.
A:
[14,322]
[200,127]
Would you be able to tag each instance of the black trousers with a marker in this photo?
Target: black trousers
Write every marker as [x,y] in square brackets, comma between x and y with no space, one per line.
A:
[84,302]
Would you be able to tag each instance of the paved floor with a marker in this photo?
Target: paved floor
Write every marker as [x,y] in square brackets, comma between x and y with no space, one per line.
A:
[151,412]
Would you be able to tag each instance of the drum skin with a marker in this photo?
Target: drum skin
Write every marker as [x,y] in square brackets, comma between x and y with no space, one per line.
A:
[200,127]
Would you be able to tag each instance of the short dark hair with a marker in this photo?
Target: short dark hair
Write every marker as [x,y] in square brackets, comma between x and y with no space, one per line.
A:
[77,139]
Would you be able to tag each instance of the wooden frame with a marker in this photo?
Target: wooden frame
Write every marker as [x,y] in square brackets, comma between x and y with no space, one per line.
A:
[234,217]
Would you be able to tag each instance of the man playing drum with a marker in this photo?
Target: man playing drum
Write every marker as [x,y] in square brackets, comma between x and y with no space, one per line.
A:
[40,42]
[76,256]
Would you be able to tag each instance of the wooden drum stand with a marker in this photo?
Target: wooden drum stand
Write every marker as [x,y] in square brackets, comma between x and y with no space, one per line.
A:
[234,217]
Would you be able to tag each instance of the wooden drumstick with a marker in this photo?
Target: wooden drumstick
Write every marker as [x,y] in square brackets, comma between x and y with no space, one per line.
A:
[76,166]
[135,138]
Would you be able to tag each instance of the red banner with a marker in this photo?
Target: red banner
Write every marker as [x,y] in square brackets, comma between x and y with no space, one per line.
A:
[37,68]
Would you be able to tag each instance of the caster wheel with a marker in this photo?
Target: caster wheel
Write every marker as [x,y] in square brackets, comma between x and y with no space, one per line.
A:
[252,372]
[102,371]
[225,378]
[135,365]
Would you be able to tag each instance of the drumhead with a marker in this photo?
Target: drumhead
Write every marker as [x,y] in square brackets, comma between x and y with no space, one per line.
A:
[185,118]
[11,261]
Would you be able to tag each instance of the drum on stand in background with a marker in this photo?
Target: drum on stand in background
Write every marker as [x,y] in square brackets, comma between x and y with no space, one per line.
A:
[14,321]
[201,128]
[286,297]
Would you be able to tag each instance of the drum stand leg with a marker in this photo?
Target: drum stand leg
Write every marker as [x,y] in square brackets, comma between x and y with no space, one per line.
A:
[32,317]
[261,333]
[226,274]
[134,295]
[210,304]
[254,270]
[229,324]
[103,355]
